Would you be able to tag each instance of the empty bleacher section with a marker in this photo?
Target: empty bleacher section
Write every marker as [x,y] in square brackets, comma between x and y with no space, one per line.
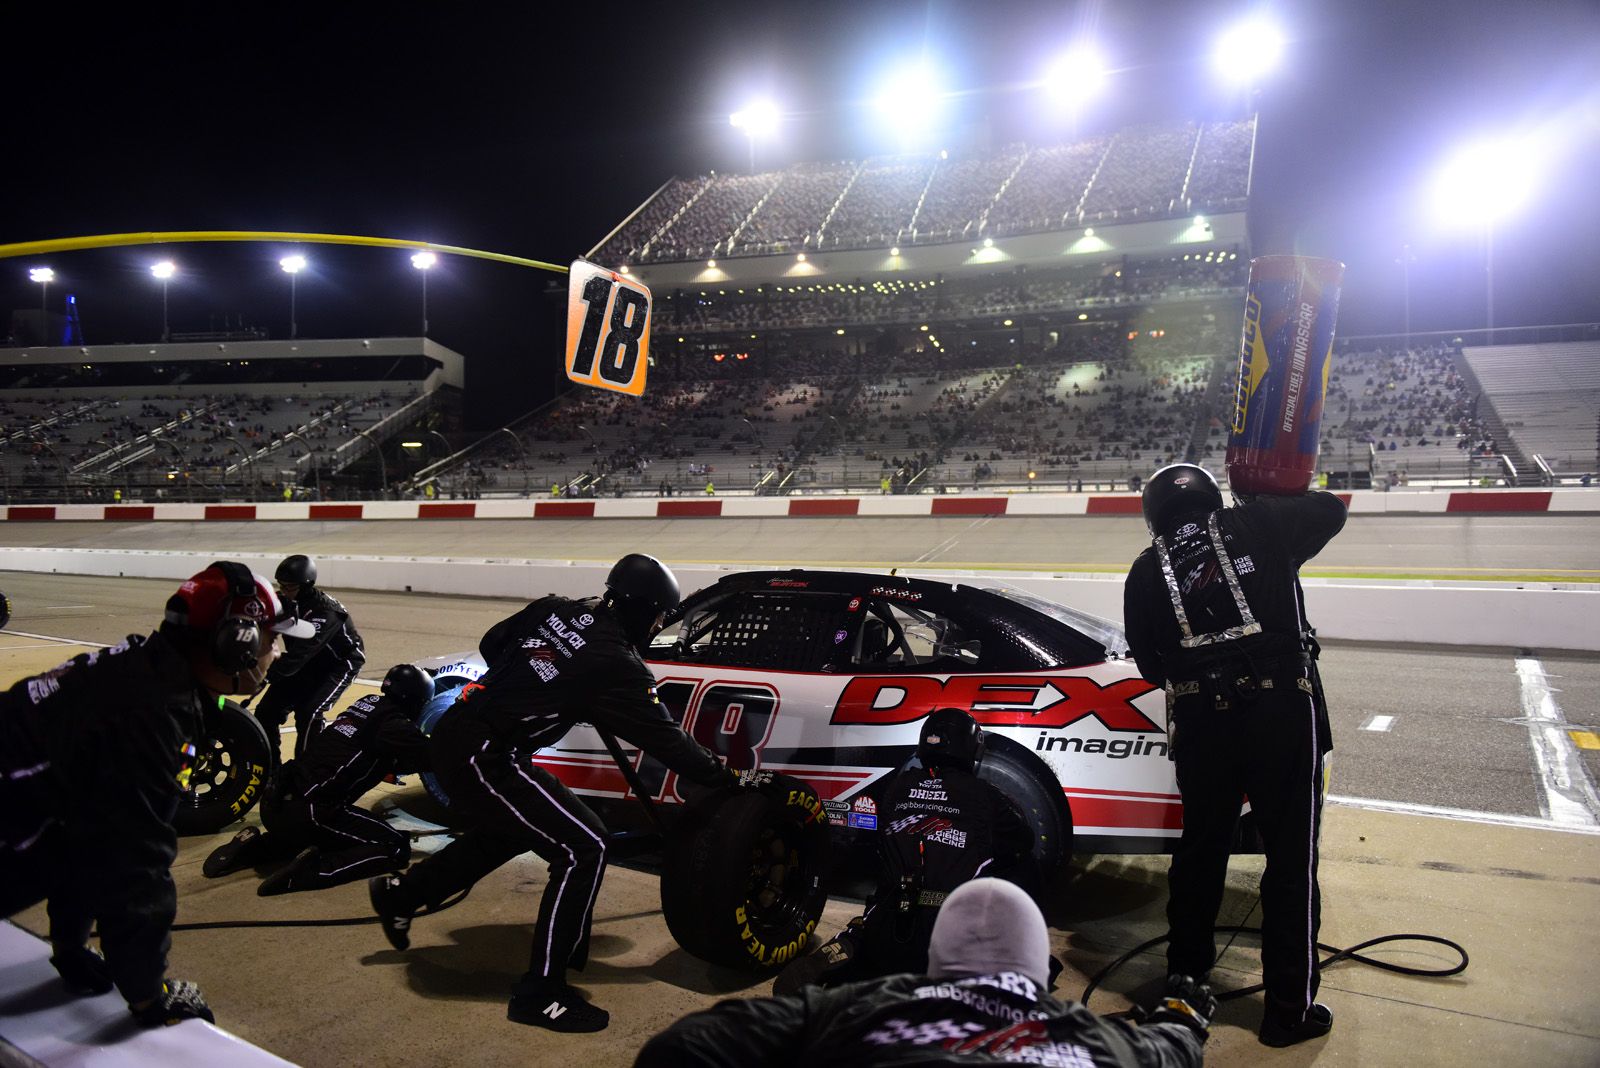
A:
[208,422]
[1148,172]
[1548,397]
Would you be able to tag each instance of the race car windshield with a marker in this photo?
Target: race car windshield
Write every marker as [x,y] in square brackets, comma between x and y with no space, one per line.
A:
[1102,630]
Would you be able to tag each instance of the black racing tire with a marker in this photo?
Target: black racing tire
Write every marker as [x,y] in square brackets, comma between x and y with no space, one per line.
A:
[1038,797]
[446,689]
[231,766]
[743,882]
[5,610]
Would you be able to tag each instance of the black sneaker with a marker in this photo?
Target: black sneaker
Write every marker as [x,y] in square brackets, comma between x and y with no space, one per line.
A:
[288,879]
[234,854]
[556,1006]
[1317,1022]
[394,917]
[82,970]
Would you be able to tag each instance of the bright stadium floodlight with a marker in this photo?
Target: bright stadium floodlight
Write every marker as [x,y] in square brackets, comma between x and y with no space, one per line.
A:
[424,262]
[758,119]
[910,96]
[1248,51]
[1485,182]
[42,275]
[292,264]
[1077,76]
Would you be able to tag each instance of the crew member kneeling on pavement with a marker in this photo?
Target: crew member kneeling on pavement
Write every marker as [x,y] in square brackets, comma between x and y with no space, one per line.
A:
[984,998]
[310,807]
[1213,615]
[308,679]
[554,664]
[93,757]
[942,826]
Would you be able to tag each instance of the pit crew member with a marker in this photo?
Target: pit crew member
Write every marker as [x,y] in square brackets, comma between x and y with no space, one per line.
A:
[1213,615]
[983,999]
[943,826]
[310,807]
[308,679]
[553,664]
[93,755]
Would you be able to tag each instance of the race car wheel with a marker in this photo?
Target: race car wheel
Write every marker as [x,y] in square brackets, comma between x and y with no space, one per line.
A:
[5,610]
[230,769]
[444,695]
[1044,810]
[742,883]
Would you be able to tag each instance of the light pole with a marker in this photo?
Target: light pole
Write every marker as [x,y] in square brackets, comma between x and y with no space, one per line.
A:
[423,262]
[311,454]
[250,459]
[759,119]
[163,272]
[383,466]
[44,276]
[292,266]
[1406,260]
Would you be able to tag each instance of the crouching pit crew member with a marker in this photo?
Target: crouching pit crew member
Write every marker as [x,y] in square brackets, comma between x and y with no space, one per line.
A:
[942,826]
[556,663]
[308,679]
[983,999]
[93,756]
[1213,615]
[310,806]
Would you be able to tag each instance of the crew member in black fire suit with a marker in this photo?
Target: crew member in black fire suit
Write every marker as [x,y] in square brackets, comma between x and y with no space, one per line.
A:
[308,679]
[1213,614]
[556,663]
[942,826]
[310,808]
[983,999]
[93,755]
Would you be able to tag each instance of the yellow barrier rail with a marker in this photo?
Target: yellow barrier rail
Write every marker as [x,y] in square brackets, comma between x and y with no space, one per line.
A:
[172,237]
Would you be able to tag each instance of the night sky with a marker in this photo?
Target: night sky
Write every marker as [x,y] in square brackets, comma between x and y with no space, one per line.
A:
[507,128]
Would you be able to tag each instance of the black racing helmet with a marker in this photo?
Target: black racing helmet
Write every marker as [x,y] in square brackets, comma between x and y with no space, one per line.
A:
[639,588]
[297,570]
[950,738]
[409,687]
[1176,491]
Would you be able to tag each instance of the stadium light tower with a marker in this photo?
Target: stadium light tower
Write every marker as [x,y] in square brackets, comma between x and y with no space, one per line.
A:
[44,276]
[759,119]
[1076,77]
[163,272]
[1481,185]
[910,97]
[292,266]
[1248,51]
[424,262]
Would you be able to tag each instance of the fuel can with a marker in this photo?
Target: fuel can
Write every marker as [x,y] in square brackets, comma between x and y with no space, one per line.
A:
[1289,316]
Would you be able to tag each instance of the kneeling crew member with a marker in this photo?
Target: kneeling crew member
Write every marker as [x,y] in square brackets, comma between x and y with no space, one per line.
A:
[308,679]
[983,1000]
[93,757]
[311,805]
[1213,614]
[942,826]
[554,664]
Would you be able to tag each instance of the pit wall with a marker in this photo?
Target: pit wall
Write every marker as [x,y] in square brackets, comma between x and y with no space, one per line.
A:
[1506,616]
[1466,502]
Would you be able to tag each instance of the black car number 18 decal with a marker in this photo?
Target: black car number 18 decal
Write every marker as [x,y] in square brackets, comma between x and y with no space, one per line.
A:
[732,719]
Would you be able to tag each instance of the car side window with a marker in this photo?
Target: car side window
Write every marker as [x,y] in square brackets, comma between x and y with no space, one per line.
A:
[779,630]
[911,637]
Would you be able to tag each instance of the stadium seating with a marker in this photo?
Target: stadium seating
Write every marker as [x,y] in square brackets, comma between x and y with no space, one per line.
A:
[1548,397]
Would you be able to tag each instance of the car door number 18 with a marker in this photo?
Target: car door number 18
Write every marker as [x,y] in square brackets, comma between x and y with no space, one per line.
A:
[732,719]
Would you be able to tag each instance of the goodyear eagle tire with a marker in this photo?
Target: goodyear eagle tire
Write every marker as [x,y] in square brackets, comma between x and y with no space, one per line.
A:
[230,769]
[742,884]
[1045,812]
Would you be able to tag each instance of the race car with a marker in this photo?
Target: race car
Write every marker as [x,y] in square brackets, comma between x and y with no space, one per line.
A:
[820,680]
[826,676]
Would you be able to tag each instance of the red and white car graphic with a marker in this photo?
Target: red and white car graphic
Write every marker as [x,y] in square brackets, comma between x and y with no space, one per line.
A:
[826,675]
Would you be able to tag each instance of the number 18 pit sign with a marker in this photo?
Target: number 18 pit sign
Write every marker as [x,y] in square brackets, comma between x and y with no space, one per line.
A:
[608,329]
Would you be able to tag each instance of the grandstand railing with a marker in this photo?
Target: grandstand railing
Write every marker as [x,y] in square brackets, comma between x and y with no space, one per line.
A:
[361,444]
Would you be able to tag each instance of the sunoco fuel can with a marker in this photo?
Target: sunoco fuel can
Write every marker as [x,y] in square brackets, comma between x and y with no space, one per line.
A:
[1289,316]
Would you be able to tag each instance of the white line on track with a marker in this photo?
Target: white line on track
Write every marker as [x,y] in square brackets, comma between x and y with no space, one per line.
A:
[1378,723]
[1569,798]
[53,638]
[1465,815]
[58,607]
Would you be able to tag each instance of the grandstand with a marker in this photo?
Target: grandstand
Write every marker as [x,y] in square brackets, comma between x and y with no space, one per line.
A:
[1547,395]
[203,421]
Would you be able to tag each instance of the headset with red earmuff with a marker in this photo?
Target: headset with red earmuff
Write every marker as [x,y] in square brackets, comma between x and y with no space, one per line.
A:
[237,641]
